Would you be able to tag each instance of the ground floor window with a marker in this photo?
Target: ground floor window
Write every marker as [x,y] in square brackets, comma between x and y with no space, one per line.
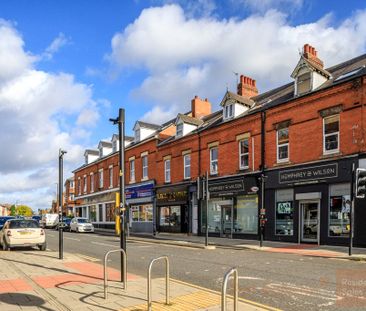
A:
[170,216]
[93,213]
[110,211]
[339,210]
[100,212]
[284,212]
[246,214]
[142,213]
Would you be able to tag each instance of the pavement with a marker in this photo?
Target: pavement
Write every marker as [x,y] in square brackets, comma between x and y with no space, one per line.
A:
[36,280]
[314,250]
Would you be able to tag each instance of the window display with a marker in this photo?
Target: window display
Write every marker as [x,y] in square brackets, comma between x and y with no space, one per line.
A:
[284,212]
[110,212]
[141,212]
[170,216]
[246,215]
[339,210]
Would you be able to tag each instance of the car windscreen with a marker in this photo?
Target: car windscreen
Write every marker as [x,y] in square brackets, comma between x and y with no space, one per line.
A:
[4,219]
[83,221]
[19,224]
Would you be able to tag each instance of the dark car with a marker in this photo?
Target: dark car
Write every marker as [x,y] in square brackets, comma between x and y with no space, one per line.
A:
[3,220]
[37,218]
[65,224]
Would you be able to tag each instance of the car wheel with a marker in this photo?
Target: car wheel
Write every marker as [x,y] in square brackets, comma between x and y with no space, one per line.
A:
[5,246]
[77,230]
[43,247]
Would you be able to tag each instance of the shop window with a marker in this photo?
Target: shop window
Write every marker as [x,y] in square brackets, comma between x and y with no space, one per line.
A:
[111,177]
[283,145]
[170,216]
[100,212]
[339,210]
[91,182]
[110,212]
[246,214]
[167,170]
[214,161]
[132,170]
[331,134]
[187,166]
[284,212]
[144,167]
[243,154]
[142,213]
[93,213]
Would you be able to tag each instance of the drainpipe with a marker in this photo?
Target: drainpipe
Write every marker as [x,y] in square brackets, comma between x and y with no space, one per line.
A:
[262,215]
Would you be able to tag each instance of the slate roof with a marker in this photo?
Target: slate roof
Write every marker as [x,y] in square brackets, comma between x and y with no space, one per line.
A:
[189,120]
[148,125]
[92,151]
[240,99]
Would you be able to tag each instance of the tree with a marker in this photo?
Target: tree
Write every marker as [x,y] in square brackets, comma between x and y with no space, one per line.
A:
[24,210]
[12,210]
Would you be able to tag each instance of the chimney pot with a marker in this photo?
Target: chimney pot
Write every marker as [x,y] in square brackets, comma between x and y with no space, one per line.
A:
[306,48]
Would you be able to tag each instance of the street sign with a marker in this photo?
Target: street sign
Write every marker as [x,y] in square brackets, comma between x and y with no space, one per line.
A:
[360,183]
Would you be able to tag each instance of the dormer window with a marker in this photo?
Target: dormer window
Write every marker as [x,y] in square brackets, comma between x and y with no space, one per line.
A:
[179,129]
[114,146]
[304,83]
[229,111]
[137,135]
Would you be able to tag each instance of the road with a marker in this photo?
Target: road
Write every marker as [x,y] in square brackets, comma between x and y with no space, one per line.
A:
[285,281]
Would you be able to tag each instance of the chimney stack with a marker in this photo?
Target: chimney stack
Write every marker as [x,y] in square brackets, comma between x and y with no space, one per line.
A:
[311,54]
[200,108]
[247,87]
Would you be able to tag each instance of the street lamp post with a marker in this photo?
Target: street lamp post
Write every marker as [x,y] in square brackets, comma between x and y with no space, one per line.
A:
[122,205]
[60,218]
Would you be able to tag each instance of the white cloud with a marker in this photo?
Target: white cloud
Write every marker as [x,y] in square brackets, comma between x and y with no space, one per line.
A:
[185,56]
[88,117]
[265,5]
[55,46]
[36,113]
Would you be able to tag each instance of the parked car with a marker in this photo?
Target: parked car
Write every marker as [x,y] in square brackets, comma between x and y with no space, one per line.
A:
[65,224]
[3,220]
[37,218]
[79,224]
[49,220]
[22,233]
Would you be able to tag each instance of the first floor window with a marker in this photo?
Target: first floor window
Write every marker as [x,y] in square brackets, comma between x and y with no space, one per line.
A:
[331,134]
[213,161]
[243,154]
[144,167]
[111,177]
[91,182]
[283,145]
[132,170]
[167,170]
[79,186]
[284,212]
[84,180]
[187,166]
[339,210]
[100,178]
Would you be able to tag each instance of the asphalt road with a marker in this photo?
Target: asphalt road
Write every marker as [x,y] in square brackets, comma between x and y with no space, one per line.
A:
[285,281]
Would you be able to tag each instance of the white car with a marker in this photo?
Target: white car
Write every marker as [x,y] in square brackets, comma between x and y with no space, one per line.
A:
[79,224]
[22,233]
[49,220]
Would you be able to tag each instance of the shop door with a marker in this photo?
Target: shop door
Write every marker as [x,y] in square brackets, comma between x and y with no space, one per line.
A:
[226,220]
[310,221]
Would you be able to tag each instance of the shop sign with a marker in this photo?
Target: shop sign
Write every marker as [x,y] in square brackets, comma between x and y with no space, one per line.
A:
[141,191]
[226,187]
[100,198]
[172,195]
[308,174]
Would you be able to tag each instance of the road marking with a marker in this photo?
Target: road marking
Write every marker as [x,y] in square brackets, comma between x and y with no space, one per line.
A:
[88,257]
[250,278]
[51,235]
[105,244]
[72,239]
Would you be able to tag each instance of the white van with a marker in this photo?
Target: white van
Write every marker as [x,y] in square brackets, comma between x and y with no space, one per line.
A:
[49,220]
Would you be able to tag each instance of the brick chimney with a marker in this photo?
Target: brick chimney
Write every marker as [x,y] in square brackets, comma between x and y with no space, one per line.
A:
[311,54]
[247,87]
[200,108]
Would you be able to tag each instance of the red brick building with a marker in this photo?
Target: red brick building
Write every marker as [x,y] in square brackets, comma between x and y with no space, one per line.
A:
[303,138]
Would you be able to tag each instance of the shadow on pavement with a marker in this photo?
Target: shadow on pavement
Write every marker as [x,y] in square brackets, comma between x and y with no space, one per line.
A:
[24,300]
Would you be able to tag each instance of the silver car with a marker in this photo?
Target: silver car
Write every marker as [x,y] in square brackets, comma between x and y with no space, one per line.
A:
[79,224]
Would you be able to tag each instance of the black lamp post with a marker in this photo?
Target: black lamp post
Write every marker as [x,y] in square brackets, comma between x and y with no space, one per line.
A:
[60,218]
[122,206]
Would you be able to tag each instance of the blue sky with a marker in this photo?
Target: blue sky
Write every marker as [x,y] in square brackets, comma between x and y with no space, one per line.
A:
[67,66]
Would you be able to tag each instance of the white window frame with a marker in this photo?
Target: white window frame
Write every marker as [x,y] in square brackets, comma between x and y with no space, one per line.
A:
[185,166]
[100,179]
[137,135]
[179,129]
[145,167]
[212,172]
[243,154]
[229,111]
[326,152]
[91,182]
[132,170]
[111,176]
[282,145]
[79,185]
[167,171]
[85,185]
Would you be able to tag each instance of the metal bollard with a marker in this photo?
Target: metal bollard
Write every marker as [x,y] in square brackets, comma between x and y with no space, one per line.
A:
[224,288]
[124,270]
[167,285]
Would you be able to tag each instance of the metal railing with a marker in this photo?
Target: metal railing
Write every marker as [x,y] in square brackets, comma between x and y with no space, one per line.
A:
[167,285]
[121,250]
[224,288]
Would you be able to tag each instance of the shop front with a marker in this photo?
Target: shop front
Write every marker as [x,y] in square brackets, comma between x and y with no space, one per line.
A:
[172,204]
[309,203]
[140,199]
[232,208]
